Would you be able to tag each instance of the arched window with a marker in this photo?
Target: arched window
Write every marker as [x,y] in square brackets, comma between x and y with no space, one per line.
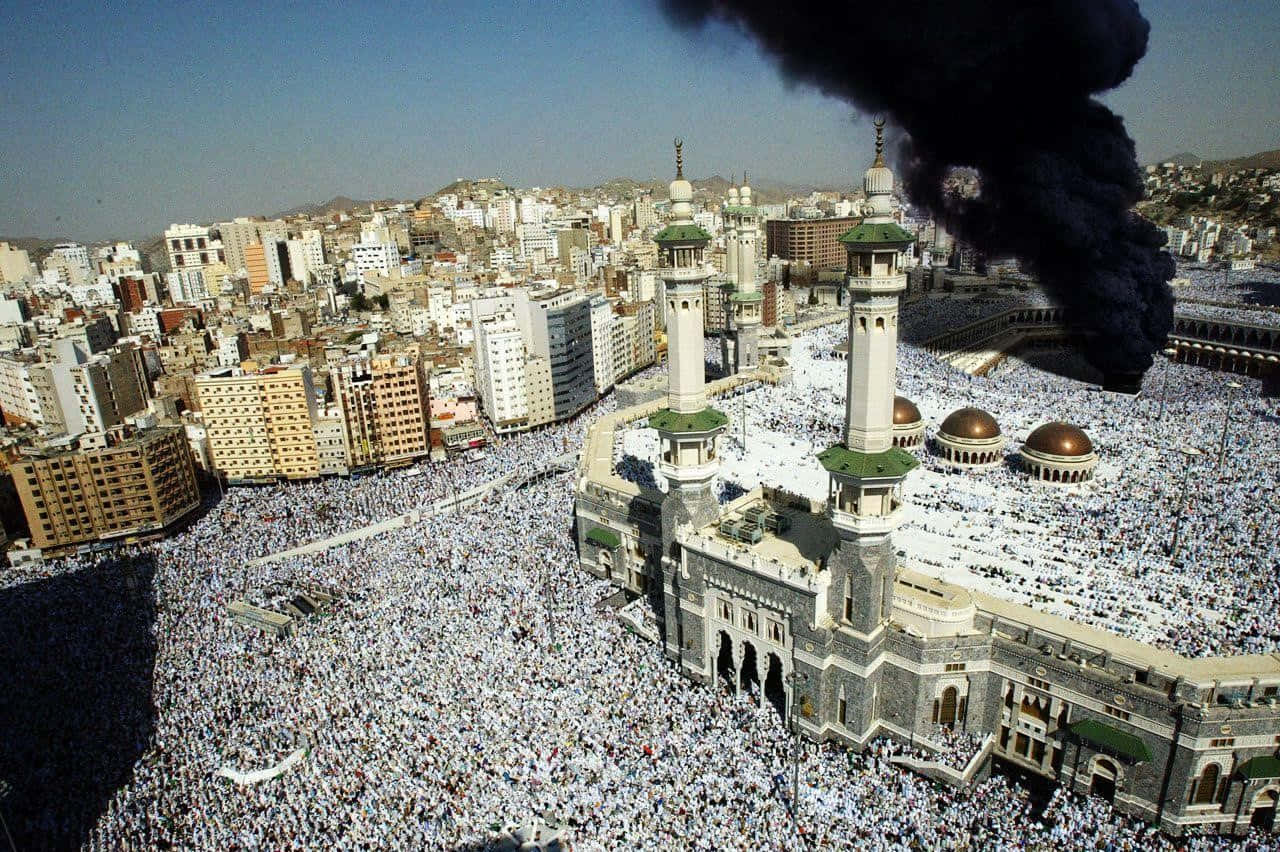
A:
[947,711]
[1206,786]
[879,323]
[685,305]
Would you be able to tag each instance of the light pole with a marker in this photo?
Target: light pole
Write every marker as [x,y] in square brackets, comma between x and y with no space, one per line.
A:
[797,678]
[1170,353]
[1188,453]
[1232,387]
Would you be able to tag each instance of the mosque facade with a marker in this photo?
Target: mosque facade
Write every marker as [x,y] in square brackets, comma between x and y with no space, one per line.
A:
[804,602]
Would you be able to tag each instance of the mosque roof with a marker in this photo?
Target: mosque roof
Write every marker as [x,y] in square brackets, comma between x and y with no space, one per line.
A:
[971,423]
[877,234]
[1059,439]
[904,410]
[681,234]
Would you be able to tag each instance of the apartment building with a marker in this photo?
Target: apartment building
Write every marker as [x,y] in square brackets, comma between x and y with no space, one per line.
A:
[384,407]
[260,425]
[500,372]
[106,486]
[812,241]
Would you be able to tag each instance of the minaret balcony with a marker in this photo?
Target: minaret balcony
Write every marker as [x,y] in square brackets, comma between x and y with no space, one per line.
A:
[866,526]
[877,284]
[677,275]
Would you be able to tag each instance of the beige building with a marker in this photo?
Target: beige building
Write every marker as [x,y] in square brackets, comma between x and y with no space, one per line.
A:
[812,241]
[260,425]
[255,264]
[106,486]
[384,405]
[15,265]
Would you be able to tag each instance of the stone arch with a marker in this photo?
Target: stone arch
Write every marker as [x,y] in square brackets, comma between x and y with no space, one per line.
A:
[775,691]
[749,674]
[605,562]
[1205,791]
[947,706]
[1264,810]
[1103,778]
[725,667]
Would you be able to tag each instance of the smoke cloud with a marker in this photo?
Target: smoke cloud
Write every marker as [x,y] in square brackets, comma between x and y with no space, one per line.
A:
[1005,87]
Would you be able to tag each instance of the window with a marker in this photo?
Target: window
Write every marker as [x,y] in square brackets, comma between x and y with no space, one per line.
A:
[955,667]
[1038,684]
[1205,788]
[775,631]
[1117,712]
[844,710]
[1225,742]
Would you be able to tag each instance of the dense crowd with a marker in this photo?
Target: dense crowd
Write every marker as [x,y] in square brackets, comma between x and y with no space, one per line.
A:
[466,678]
[1212,283]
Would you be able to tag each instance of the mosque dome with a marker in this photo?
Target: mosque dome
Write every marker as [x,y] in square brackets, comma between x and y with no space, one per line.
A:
[905,411]
[1059,439]
[970,423]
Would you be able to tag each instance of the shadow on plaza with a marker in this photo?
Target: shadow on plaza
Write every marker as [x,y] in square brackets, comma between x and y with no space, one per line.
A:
[76,666]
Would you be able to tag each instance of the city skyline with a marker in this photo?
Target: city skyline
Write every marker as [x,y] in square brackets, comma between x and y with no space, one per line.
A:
[177,122]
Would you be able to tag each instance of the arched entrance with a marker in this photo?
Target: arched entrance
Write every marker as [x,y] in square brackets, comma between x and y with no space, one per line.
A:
[1264,811]
[750,675]
[947,708]
[724,662]
[605,562]
[1103,782]
[774,690]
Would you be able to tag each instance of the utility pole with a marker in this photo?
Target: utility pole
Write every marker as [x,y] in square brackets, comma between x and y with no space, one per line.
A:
[1171,353]
[1232,387]
[1188,453]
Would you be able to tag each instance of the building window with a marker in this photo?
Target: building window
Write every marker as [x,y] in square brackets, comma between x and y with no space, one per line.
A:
[1225,742]
[955,667]
[1204,790]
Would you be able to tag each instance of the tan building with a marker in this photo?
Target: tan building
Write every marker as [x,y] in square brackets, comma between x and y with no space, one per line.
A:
[106,486]
[812,241]
[260,425]
[385,409]
[255,264]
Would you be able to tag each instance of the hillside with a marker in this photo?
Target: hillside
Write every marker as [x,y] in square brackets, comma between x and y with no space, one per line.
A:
[339,204]
[1261,160]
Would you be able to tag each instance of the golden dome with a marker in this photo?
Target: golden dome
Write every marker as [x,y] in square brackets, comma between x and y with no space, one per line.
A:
[905,411]
[1059,439]
[971,423]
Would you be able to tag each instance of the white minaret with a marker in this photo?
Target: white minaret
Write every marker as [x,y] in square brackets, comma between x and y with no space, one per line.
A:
[687,427]
[866,470]
[746,301]
[731,235]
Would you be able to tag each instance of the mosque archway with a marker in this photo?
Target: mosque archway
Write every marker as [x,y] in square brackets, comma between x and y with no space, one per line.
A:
[1103,782]
[750,677]
[724,662]
[775,691]
[1264,811]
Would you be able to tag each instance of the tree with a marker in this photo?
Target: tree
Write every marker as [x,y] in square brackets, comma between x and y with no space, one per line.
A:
[359,302]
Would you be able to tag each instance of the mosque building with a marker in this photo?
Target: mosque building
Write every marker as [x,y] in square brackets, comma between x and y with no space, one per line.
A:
[803,601]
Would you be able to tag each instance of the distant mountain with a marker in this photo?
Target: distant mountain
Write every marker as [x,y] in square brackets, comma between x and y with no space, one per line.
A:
[1184,159]
[1261,160]
[763,191]
[340,204]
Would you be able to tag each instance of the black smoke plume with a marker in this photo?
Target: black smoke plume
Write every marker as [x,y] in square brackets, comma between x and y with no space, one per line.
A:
[1004,87]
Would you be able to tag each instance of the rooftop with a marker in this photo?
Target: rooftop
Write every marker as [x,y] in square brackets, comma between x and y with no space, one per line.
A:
[886,234]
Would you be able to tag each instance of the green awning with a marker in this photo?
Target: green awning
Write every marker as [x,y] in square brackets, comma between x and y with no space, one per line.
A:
[681,234]
[706,420]
[603,537]
[1111,740]
[1267,766]
[890,464]
[873,235]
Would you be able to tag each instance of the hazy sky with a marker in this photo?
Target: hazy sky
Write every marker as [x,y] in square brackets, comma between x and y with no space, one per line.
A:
[120,121]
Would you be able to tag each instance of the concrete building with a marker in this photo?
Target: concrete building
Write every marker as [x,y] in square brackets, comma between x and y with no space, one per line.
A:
[602,344]
[559,331]
[15,265]
[192,247]
[108,487]
[375,256]
[255,265]
[260,425]
[500,372]
[815,242]
[71,260]
[383,402]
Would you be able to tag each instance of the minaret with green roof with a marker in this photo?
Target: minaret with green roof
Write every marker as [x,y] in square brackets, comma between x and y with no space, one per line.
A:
[687,427]
[866,470]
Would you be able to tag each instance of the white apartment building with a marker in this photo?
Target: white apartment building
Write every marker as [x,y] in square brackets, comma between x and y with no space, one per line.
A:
[192,247]
[372,255]
[313,258]
[18,398]
[187,285]
[500,372]
[72,260]
[538,243]
[602,343]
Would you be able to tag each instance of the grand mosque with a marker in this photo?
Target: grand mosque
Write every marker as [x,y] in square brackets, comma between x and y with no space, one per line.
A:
[804,600]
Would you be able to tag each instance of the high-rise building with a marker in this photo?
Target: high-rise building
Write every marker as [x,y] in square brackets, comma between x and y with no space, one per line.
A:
[384,407]
[815,242]
[374,255]
[192,247]
[110,486]
[643,213]
[500,372]
[260,425]
[72,262]
[255,264]
[559,327]
[602,343]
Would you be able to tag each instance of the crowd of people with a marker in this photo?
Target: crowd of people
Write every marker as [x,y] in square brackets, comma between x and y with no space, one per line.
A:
[466,678]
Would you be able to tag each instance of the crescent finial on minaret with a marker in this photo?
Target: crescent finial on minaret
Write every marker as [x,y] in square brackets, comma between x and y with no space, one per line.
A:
[879,123]
[744,177]
[679,158]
